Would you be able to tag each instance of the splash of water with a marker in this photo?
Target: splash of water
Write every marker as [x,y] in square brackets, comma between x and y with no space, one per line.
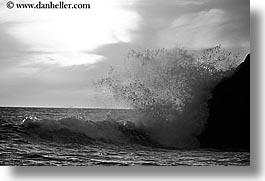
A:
[171,87]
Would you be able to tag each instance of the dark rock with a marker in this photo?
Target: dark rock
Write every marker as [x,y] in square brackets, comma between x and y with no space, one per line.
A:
[228,125]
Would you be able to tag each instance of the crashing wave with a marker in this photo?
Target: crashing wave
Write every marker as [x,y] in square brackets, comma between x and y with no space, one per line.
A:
[79,131]
[171,87]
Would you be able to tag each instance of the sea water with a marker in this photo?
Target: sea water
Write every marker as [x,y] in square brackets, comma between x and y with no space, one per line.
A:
[79,136]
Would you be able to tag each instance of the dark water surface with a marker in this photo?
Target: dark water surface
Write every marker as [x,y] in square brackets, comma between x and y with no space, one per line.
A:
[62,136]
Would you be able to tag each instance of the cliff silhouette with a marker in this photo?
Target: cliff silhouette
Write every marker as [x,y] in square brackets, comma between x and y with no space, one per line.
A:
[228,125]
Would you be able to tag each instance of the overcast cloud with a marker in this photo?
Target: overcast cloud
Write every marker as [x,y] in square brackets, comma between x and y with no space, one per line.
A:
[51,57]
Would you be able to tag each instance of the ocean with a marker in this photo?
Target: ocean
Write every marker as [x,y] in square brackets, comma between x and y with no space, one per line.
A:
[85,137]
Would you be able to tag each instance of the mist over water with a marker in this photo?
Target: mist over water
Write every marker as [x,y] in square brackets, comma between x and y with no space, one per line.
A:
[170,87]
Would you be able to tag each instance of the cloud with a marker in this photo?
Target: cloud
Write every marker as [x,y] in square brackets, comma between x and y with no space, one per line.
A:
[191,2]
[194,24]
[67,59]
[69,32]
[223,22]
[50,57]
[201,19]
[196,30]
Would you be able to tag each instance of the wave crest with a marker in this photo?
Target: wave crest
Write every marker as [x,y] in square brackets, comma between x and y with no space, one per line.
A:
[75,130]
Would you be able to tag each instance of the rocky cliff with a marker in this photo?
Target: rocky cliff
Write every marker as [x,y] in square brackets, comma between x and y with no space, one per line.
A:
[228,125]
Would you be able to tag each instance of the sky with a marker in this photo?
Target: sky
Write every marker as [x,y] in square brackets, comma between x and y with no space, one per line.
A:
[50,58]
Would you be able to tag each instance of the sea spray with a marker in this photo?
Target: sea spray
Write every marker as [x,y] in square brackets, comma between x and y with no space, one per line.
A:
[171,88]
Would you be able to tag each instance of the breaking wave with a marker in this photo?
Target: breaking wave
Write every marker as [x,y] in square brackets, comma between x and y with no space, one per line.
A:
[170,90]
[80,131]
[171,87]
